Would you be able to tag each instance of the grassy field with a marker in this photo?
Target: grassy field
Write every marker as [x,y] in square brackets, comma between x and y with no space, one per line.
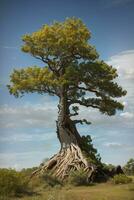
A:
[42,188]
[105,191]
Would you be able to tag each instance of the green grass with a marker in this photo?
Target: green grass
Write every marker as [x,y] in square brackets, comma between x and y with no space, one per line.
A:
[105,191]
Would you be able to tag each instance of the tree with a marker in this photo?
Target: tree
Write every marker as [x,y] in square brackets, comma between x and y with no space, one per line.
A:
[73,72]
[129,167]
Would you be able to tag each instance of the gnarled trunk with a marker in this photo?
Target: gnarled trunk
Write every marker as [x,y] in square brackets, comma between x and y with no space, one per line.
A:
[66,130]
[70,156]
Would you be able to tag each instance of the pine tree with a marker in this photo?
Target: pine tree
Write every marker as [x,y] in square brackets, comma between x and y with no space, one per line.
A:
[73,72]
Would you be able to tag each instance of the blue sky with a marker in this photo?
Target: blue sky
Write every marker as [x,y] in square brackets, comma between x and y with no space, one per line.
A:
[27,125]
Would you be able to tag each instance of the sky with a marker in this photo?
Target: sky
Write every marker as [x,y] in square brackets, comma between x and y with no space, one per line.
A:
[27,125]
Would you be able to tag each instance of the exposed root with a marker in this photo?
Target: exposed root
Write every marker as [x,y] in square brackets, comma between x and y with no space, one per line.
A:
[67,160]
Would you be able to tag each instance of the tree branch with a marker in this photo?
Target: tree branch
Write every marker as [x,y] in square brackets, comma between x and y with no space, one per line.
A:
[85,89]
[82,121]
[47,61]
[73,114]
[45,90]
[83,103]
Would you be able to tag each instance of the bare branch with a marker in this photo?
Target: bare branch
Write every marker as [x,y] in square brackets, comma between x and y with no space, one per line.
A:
[82,121]
[73,114]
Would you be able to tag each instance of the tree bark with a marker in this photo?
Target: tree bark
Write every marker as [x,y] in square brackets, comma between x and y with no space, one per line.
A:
[66,129]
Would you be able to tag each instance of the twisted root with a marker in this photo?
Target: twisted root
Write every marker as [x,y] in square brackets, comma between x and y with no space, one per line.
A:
[67,160]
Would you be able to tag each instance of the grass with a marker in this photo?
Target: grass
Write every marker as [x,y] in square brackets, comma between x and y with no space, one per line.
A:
[47,188]
[105,191]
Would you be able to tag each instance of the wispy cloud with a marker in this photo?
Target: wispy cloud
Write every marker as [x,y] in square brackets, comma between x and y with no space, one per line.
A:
[18,160]
[117,145]
[9,47]
[37,115]
[127,115]
[113,145]
[27,137]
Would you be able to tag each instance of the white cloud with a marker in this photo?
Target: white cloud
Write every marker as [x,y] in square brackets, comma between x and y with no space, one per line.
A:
[124,62]
[113,144]
[127,115]
[27,137]
[129,148]
[23,159]
[36,115]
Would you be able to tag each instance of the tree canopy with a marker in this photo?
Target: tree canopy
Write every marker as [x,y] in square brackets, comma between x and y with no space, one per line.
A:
[129,167]
[70,61]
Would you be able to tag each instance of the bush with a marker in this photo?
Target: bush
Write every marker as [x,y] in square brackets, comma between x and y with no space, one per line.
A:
[50,180]
[11,183]
[78,178]
[121,179]
[28,171]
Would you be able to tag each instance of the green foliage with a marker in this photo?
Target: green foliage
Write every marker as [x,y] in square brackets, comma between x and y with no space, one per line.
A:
[50,180]
[89,151]
[129,167]
[12,183]
[32,79]
[60,39]
[36,183]
[121,179]
[78,178]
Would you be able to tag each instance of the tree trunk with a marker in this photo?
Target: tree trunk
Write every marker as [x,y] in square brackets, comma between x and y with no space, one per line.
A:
[70,156]
[66,130]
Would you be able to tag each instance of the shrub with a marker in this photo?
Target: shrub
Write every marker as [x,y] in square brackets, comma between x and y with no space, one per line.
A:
[35,183]
[77,178]
[50,180]
[121,179]
[28,171]
[11,183]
